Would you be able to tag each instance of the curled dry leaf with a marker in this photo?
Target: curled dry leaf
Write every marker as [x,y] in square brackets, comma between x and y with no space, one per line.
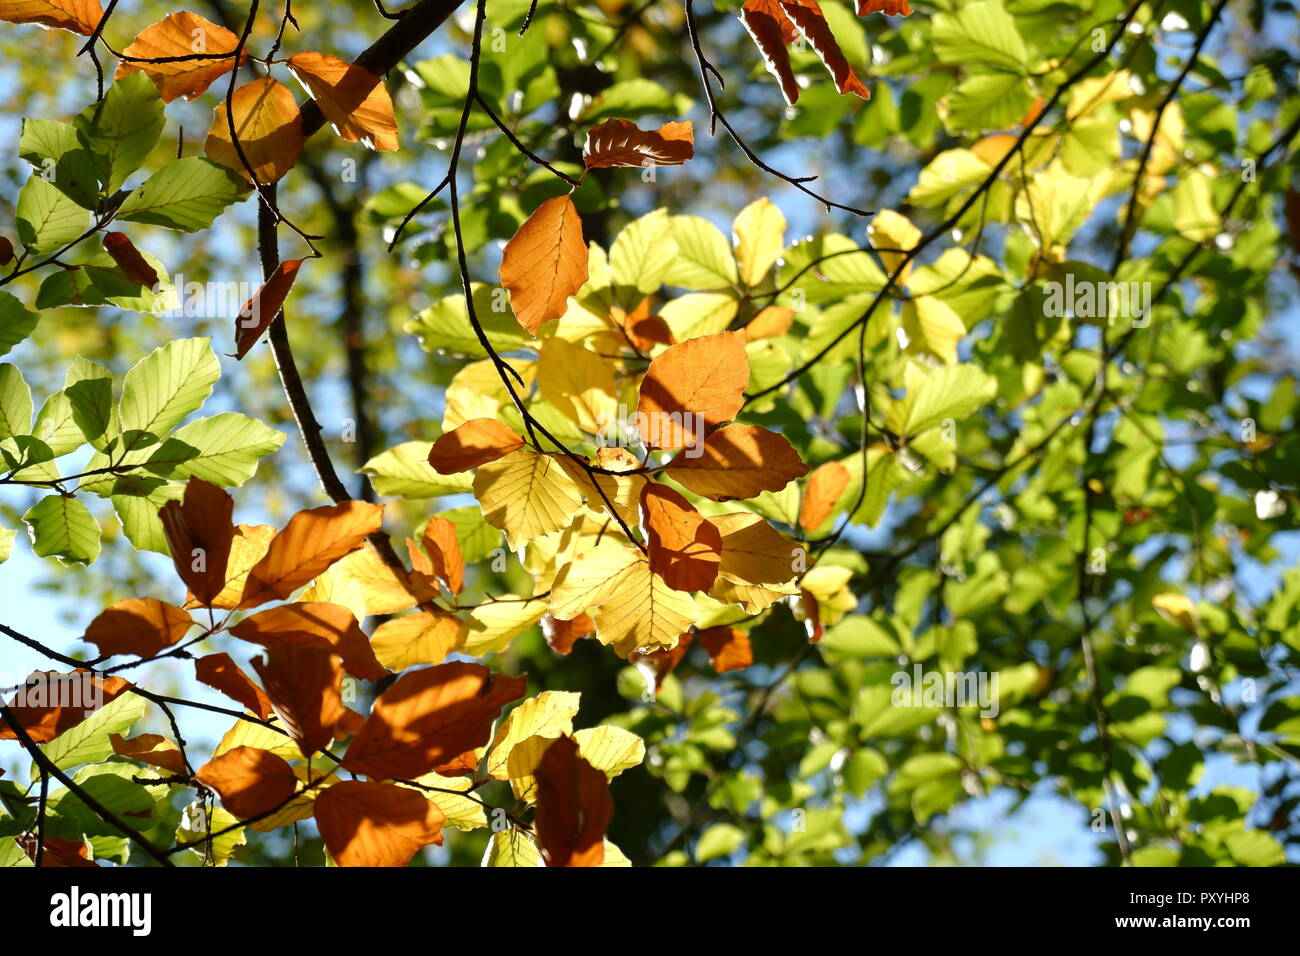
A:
[76,16]
[138,626]
[685,549]
[376,824]
[619,142]
[129,260]
[220,672]
[811,24]
[353,99]
[200,534]
[739,461]
[544,263]
[474,443]
[260,311]
[774,24]
[268,125]
[304,685]
[573,807]
[691,388]
[890,8]
[188,35]
[249,781]
[640,327]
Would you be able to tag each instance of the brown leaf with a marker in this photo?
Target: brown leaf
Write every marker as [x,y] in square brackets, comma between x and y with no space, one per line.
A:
[618,142]
[138,626]
[771,322]
[376,824]
[573,807]
[320,624]
[76,16]
[659,664]
[544,263]
[183,34]
[260,311]
[303,684]
[58,851]
[129,260]
[641,328]
[561,635]
[50,702]
[685,549]
[269,127]
[431,719]
[352,98]
[473,443]
[691,388]
[200,534]
[311,542]
[807,16]
[6,251]
[890,8]
[812,613]
[153,749]
[246,549]
[249,781]
[221,673]
[443,549]
[728,648]
[824,487]
[771,30]
[739,461]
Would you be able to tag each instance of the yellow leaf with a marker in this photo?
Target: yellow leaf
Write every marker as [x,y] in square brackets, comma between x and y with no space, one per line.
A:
[549,714]
[1177,608]
[245,733]
[269,127]
[579,383]
[526,494]
[890,230]
[611,749]
[493,625]
[591,578]
[753,552]
[932,326]
[758,235]
[426,637]
[512,848]
[523,760]
[459,812]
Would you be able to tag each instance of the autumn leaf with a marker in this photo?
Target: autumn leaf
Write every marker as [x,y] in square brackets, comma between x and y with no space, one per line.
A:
[476,442]
[685,549]
[249,781]
[142,627]
[221,673]
[739,461]
[618,142]
[811,23]
[573,807]
[544,263]
[691,388]
[641,327]
[549,714]
[153,749]
[526,494]
[268,125]
[308,544]
[327,626]
[260,311]
[728,648]
[443,548]
[182,34]
[129,260]
[77,16]
[304,686]
[579,383]
[753,552]
[772,322]
[200,535]
[376,824]
[431,719]
[890,8]
[561,635]
[36,704]
[825,485]
[353,99]
[426,637]
[771,30]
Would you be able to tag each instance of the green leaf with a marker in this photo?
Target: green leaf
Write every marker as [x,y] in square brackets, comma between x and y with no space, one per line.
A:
[946,175]
[186,194]
[512,848]
[62,527]
[139,513]
[721,839]
[632,98]
[89,388]
[643,252]
[954,391]
[110,785]
[704,259]
[7,536]
[47,218]
[63,157]
[1194,213]
[1255,848]
[223,449]
[979,34]
[404,470]
[987,101]
[164,387]
[123,128]
[88,741]
[100,281]
[57,426]
[16,323]
[15,402]
[445,326]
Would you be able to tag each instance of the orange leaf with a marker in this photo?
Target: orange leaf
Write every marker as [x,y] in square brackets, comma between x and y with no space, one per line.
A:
[48,702]
[728,648]
[200,533]
[771,322]
[77,16]
[890,8]
[250,781]
[331,627]
[561,635]
[309,543]
[188,35]
[58,851]
[221,673]
[474,443]
[269,127]
[618,142]
[811,22]
[431,719]
[138,626]
[812,612]
[692,387]
[824,487]
[153,749]
[771,30]
[260,311]
[641,328]
[544,263]
[376,824]
[129,260]
[352,98]
[573,807]
[685,549]
[443,548]
[248,547]
[739,461]
[303,684]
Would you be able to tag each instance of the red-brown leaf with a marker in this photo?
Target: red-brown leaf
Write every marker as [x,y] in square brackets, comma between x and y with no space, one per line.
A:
[260,311]
[573,807]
